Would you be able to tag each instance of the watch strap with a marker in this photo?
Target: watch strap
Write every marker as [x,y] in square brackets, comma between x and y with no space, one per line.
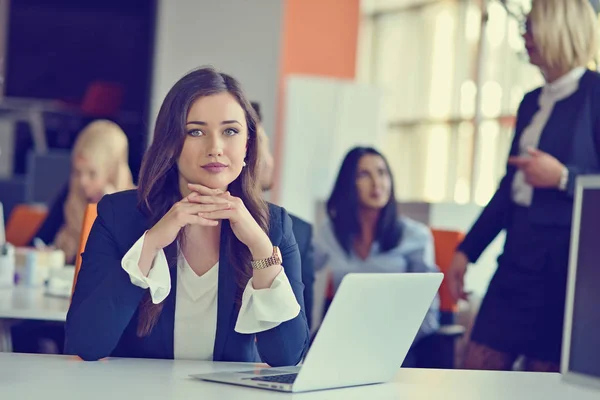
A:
[275,259]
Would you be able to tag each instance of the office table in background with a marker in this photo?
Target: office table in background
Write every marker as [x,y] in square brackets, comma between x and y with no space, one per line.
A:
[26,303]
[24,376]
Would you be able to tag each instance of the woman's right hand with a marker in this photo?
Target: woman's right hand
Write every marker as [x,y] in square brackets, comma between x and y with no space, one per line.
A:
[182,213]
[456,276]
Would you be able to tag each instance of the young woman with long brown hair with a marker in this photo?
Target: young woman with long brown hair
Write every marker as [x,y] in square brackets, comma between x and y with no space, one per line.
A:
[190,264]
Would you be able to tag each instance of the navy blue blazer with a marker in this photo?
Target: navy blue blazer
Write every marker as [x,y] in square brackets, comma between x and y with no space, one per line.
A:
[303,233]
[103,316]
[572,135]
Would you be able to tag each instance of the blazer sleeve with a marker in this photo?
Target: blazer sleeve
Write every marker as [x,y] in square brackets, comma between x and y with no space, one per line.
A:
[303,232]
[493,217]
[287,343]
[489,223]
[575,170]
[104,300]
[308,275]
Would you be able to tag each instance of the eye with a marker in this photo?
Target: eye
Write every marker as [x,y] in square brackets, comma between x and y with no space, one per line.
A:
[231,132]
[195,132]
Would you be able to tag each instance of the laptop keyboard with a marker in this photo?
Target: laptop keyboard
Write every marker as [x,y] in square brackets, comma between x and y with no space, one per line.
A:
[287,378]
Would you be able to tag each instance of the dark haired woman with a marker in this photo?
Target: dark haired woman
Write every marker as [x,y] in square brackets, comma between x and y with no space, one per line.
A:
[363,232]
[191,265]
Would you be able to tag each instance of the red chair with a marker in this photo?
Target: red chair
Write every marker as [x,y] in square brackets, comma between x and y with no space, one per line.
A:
[445,244]
[23,223]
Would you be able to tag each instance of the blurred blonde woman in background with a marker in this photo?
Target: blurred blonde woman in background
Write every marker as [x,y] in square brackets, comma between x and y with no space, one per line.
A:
[99,166]
[557,139]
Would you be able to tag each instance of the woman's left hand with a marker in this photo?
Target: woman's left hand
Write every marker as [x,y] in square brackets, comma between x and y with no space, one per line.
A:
[243,225]
[541,169]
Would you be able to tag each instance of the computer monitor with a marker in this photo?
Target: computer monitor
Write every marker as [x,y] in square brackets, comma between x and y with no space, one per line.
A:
[581,340]
[47,175]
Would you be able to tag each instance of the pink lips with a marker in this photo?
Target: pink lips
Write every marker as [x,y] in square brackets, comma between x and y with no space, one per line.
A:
[375,195]
[214,168]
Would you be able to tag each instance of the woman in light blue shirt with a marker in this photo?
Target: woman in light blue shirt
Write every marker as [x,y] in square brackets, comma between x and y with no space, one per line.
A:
[363,232]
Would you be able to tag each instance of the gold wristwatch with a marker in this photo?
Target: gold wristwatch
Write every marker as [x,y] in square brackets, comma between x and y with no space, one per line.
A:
[275,259]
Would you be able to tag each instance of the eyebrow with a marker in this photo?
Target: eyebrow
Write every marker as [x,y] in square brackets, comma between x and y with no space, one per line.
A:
[230,121]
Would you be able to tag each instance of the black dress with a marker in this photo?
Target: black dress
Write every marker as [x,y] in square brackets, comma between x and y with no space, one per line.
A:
[522,312]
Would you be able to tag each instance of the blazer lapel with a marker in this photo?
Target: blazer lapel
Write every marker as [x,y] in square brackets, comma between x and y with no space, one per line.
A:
[226,294]
[557,136]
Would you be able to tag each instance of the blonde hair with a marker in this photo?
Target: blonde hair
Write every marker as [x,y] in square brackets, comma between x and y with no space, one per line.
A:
[104,144]
[565,32]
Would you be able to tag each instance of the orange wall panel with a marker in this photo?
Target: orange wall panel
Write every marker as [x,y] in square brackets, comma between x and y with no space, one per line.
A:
[319,38]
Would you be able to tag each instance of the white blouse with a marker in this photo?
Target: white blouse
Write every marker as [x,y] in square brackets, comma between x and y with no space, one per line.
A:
[196,302]
[522,192]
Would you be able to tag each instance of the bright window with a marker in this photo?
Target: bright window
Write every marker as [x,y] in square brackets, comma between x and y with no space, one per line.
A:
[424,55]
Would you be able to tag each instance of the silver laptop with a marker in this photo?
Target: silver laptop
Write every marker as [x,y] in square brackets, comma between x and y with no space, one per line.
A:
[580,362]
[363,339]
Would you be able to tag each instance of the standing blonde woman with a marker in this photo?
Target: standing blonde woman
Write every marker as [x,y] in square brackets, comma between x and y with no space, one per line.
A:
[557,139]
[99,166]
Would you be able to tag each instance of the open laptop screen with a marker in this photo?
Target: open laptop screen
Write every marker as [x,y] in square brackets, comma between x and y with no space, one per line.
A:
[581,346]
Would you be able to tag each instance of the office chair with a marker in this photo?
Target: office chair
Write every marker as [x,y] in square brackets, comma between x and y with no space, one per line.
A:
[91,212]
[438,350]
[23,223]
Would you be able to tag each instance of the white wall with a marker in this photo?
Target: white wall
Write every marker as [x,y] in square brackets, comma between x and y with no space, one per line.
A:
[324,118]
[241,38]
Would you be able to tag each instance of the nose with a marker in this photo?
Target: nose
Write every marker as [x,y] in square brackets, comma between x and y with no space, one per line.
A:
[216,147]
[374,181]
[379,182]
[84,182]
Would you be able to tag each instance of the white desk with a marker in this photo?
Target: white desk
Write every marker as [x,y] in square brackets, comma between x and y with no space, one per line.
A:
[20,302]
[24,303]
[61,377]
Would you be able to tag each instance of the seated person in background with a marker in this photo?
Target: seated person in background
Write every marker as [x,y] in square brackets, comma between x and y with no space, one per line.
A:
[195,234]
[363,232]
[302,229]
[99,166]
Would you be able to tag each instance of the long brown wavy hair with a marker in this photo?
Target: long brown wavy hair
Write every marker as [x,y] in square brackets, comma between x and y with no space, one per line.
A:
[159,176]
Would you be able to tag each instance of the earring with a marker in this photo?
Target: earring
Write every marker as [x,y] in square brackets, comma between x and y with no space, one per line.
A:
[244,164]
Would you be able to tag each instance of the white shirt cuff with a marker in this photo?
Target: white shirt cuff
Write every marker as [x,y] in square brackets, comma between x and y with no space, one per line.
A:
[265,309]
[158,279]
